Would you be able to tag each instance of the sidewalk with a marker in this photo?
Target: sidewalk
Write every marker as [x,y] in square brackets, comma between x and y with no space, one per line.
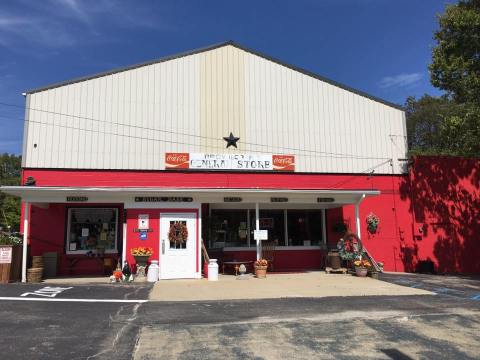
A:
[311,284]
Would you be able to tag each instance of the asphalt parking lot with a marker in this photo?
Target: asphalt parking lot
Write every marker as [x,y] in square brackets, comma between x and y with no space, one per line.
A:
[463,287]
[118,322]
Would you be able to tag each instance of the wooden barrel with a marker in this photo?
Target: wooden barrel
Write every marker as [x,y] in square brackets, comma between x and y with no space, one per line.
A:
[37,262]
[334,260]
[34,275]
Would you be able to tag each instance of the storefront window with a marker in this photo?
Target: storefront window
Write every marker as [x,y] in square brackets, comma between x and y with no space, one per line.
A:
[92,230]
[274,222]
[304,227]
[235,228]
[228,228]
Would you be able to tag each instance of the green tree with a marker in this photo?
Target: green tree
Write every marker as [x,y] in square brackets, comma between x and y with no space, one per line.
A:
[455,65]
[450,124]
[10,172]
[425,118]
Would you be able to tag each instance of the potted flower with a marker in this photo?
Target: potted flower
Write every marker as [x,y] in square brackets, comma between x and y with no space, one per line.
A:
[141,255]
[261,268]
[361,267]
[372,223]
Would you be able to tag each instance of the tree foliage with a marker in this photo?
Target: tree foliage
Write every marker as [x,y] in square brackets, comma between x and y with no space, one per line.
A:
[10,171]
[450,124]
[455,65]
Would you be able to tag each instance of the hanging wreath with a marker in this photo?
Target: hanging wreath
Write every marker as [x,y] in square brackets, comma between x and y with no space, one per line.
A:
[178,232]
[350,247]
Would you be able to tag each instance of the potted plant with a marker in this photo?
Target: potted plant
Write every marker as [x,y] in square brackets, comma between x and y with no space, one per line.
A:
[141,255]
[372,223]
[361,267]
[261,268]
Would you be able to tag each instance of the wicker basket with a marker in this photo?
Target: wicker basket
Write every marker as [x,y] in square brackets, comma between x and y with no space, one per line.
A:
[34,275]
[37,262]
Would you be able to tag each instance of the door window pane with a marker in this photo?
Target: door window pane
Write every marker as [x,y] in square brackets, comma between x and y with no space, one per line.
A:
[178,234]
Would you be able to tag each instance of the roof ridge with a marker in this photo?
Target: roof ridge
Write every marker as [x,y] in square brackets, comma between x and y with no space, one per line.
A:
[213,47]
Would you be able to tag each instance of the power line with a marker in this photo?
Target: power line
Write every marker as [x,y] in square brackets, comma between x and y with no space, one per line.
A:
[366,171]
[339,155]
[152,139]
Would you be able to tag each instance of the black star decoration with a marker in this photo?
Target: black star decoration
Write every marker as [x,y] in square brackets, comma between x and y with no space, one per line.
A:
[231,140]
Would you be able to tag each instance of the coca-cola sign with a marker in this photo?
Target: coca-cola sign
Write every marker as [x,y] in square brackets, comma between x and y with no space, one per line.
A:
[237,162]
[283,162]
[177,160]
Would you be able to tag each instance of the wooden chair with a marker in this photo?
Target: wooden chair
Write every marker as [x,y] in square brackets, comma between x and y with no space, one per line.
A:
[268,252]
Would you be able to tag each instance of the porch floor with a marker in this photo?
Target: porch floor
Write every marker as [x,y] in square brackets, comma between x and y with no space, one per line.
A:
[310,284]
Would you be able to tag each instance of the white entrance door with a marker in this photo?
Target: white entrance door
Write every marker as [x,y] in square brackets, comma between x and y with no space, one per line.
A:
[178,259]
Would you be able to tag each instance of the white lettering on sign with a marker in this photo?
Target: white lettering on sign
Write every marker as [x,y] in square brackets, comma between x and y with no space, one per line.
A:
[47,291]
[260,234]
[6,255]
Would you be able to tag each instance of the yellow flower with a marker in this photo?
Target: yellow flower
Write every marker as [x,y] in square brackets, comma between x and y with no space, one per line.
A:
[141,251]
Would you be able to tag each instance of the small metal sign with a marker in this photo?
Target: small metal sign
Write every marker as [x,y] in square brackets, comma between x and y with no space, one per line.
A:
[77,198]
[142,230]
[279,199]
[232,199]
[143,235]
[143,221]
[325,199]
[162,199]
[260,234]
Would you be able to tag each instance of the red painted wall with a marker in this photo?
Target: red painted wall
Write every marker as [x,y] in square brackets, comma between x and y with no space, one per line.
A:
[439,195]
[153,237]
[445,203]
[285,260]
[48,234]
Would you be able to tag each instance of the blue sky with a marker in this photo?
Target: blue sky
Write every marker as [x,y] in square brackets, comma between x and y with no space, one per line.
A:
[382,47]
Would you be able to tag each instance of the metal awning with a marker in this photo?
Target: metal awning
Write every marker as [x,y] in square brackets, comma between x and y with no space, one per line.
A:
[43,195]
[57,194]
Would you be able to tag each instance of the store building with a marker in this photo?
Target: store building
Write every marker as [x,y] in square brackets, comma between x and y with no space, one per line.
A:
[222,140]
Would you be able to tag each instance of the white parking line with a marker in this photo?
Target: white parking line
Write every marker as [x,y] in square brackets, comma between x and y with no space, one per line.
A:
[72,300]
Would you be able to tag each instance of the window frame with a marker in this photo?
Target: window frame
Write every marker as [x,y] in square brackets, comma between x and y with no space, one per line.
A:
[69,223]
[283,245]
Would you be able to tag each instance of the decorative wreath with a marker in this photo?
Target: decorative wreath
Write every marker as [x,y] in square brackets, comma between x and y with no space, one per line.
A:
[178,232]
[372,222]
[350,247]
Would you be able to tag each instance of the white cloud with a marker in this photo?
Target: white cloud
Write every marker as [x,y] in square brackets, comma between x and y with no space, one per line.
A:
[401,80]
[66,23]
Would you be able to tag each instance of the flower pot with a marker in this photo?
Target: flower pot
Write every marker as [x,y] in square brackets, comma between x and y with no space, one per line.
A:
[141,260]
[361,271]
[261,271]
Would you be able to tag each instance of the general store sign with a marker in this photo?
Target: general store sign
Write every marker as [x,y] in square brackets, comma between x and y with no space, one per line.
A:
[238,162]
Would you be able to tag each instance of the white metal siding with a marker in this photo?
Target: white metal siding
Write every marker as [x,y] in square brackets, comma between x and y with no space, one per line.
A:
[128,120]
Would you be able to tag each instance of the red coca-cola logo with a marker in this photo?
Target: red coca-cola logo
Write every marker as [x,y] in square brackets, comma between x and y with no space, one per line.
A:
[283,162]
[177,160]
